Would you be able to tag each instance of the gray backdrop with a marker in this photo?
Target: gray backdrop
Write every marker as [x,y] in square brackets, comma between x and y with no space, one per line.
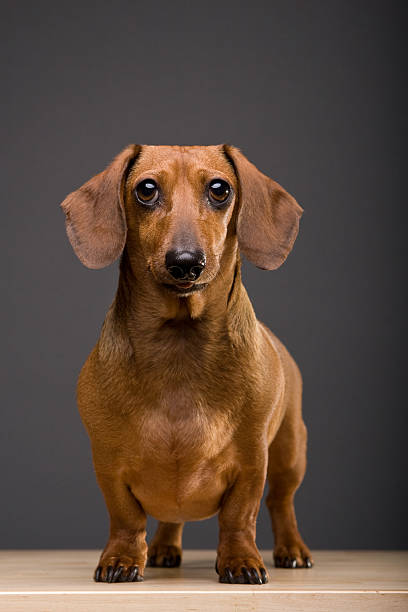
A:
[313,93]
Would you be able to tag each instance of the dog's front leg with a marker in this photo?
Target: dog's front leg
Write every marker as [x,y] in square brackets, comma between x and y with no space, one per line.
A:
[124,557]
[238,558]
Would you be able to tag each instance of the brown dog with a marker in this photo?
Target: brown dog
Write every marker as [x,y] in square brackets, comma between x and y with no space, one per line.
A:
[189,401]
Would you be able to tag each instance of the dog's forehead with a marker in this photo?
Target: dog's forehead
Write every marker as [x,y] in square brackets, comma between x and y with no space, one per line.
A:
[185,159]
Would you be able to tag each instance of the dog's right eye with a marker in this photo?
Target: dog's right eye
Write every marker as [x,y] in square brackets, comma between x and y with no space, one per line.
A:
[218,192]
[147,192]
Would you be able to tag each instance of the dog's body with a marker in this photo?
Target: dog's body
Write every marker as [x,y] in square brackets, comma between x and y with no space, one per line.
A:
[188,400]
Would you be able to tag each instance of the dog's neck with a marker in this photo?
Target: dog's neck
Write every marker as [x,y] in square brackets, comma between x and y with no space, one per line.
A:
[147,320]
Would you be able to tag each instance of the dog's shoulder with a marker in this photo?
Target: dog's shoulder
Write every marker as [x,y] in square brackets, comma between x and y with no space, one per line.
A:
[114,342]
[285,358]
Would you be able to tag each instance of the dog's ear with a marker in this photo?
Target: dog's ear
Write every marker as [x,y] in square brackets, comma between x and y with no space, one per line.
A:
[95,215]
[268,218]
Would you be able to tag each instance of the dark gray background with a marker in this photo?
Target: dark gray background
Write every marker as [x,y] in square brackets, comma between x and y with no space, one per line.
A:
[313,93]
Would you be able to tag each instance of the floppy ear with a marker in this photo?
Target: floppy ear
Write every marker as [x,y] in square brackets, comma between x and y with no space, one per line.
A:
[268,219]
[95,214]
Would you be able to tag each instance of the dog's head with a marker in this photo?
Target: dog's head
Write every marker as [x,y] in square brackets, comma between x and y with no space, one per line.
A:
[178,209]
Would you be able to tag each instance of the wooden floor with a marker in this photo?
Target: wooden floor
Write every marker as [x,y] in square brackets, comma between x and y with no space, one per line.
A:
[49,581]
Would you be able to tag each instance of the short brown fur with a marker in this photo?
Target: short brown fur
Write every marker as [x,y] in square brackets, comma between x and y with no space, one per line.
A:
[190,403]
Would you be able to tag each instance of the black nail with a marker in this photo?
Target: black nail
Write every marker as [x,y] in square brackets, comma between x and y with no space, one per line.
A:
[117,573]
[123,577]
[216,566]
[286,562]
[293,563]
[109,573]
[263,575]
[133,572]
[256,576]
[98,573]
[178,560]
[247,575]
[308,562]
[229,575]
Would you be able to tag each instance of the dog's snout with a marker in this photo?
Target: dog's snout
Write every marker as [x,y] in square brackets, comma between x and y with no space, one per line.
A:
[185,265]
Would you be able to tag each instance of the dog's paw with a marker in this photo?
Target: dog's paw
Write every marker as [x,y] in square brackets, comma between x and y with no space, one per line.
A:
[162,555]
[292,556]
[242,571]
[120,568]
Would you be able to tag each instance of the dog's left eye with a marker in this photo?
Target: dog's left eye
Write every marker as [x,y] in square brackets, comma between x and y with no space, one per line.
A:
[218,191]
[147,192]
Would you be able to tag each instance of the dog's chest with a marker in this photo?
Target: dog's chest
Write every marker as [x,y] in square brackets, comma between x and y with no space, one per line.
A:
[181,428]
[175,472]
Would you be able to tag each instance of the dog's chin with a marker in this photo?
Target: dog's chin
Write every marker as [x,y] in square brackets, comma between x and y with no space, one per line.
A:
[184,289]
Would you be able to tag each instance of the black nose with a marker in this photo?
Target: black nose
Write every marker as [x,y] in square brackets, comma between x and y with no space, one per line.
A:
[185,265]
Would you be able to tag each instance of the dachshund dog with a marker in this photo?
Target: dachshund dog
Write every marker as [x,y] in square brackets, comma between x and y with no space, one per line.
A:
[189,401]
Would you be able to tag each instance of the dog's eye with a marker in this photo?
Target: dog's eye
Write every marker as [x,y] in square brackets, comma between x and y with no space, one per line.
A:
[218,192]
[147,192]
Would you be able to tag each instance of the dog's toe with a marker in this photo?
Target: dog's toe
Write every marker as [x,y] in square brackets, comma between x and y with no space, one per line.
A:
[118,569]
[133,574]
[242,573]
[292,557]
[164,556]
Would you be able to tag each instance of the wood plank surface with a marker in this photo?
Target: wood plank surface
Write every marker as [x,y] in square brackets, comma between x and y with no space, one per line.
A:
[341,580]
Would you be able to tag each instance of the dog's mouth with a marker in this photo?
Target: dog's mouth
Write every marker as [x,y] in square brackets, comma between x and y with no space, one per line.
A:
[184,289]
